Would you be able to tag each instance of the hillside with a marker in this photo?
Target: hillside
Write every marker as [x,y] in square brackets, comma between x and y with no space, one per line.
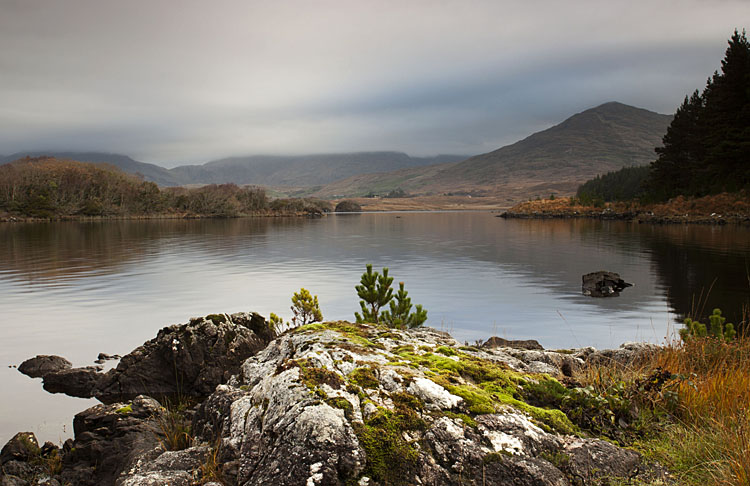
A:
[303,170]
[150,172]
[558,159]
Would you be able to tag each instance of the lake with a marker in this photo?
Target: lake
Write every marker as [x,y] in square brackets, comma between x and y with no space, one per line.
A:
[77,289]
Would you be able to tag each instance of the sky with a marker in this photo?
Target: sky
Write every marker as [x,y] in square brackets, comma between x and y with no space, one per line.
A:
[175,82]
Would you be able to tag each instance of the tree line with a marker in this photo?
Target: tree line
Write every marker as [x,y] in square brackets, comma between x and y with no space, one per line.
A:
[706,149]
[45,187]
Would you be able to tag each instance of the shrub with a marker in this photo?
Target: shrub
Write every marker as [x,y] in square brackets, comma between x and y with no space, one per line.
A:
[305,308]
[400,314]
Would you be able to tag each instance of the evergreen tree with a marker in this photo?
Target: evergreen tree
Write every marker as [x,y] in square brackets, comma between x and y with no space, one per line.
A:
[707,146]
[375,291]
[305,308]
[400,314]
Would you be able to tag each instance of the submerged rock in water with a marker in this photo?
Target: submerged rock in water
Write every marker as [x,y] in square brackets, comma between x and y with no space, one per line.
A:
[603,284]
[38,366]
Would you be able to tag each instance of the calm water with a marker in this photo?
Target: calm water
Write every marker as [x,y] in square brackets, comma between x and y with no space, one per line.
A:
[77,289]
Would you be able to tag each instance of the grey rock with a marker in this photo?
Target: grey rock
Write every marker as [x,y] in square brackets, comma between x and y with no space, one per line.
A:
[38,366]
[498,342]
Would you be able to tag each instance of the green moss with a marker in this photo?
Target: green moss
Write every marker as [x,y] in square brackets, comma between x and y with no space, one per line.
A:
[558,459]
[216,318]
[446,351]
[343,404]
[405,348]
[495,457]
[467,420]
[229,336]
[314,376]
[390,459]
[425,348]
[125,410]
[364,377]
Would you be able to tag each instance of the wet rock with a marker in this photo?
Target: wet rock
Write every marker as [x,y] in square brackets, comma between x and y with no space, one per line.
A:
[75,382]
[603,284]
[498,342]
[38,366]
[187,360]
[109,438]
[22,447]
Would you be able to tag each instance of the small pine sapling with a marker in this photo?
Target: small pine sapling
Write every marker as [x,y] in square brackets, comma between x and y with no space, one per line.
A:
[400,315]
[716,328]
[305,308]
[375,291]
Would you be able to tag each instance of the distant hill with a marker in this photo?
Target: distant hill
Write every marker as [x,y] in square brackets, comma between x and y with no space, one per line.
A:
[301,171]
[150,172]
[596,141]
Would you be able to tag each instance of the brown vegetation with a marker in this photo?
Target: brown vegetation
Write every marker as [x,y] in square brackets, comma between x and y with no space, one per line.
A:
[49,188]
[718,208]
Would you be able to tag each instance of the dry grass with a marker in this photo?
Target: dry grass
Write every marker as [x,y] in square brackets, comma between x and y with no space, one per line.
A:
[698,422]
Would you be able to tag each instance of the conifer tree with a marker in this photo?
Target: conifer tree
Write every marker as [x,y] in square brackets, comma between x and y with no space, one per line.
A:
[400,315]
[375,291]
[707,146]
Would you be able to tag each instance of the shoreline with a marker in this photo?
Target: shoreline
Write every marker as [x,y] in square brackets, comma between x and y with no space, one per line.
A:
[717,210]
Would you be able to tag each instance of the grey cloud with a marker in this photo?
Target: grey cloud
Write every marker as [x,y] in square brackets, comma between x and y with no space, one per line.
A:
[176,82]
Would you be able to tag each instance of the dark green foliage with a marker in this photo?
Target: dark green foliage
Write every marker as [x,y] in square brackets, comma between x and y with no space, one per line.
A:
[400,315]
[717,328]
[622,185]
[375,291]
[396,193]
[707,147]
[216,318]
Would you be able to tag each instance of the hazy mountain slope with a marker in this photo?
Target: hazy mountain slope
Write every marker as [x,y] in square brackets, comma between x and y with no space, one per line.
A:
[150,172]
[301,171]
[558,159]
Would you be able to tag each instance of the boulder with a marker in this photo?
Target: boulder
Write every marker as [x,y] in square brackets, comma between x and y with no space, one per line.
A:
[75,382]
[109,439]
[498,342]
[38,366]
[603,284]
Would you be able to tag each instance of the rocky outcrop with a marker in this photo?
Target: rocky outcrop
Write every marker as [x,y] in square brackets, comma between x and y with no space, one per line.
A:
[338,404]
[354,404]
[186,359]
[603,284]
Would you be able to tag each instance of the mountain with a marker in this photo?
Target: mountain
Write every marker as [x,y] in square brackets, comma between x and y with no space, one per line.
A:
[303,170]
[150,172]
[558,159]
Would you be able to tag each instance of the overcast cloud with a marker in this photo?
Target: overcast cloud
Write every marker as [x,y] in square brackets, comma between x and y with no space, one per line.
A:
[174,82]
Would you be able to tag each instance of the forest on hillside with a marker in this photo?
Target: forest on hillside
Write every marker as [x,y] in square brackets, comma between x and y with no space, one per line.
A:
[706,149]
